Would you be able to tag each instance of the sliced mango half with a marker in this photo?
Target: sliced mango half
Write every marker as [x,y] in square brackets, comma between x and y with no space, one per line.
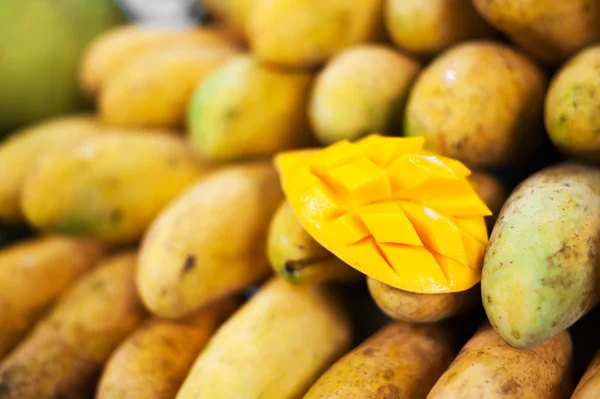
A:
[392,210]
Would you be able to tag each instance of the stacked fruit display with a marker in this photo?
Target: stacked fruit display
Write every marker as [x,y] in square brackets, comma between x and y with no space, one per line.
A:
[312,199]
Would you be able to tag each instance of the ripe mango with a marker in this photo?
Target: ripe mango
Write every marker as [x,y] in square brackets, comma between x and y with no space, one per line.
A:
[540,269]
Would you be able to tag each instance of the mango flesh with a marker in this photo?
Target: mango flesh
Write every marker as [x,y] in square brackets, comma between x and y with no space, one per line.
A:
[549,29]
[377,204]
[246,109]
[572,118]
[360,91]
[274,347]
[479,102]
[297,257]
[305,33]
[487,367]
[109,186]
[399,361]
[426,27]
[209,242]
[540,270]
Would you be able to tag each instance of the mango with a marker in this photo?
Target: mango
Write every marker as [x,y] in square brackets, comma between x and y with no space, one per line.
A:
[480,102]
[361,90]
[274,347]
[109,186]
[300,34]
[297,257]
[234,13]
[391,210]
[209,242]
[589,385]
[246,109]
[572,119]
[540,269]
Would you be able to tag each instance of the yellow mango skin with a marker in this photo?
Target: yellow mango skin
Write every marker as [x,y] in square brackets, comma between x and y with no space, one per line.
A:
[154,89]
[479,102]
[298,258]
[121,45]
[399,361]
[421,308]
[274,347]
[540,270]
[391,210]
[23,148]
[33,274]
[360,91]
[571,116]
[492,191]
[155,359]
[427,27]
[306,33]
[589,385]
[185,264]
[487,367]
[64,354]
[246,109]
[109,187]
[552,30]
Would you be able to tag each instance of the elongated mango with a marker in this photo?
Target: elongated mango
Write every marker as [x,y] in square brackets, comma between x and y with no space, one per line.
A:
[120,46]
[589,385]
[541,266]
[154,360]
[155,88]
[274,347]
[33,274]
[297,257]
[63,355]
[109,187]
[487,367]
[210,242]
[20,152]
[399,361]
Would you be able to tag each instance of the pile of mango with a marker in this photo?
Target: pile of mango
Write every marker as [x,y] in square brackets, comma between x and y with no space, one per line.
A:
[314,199]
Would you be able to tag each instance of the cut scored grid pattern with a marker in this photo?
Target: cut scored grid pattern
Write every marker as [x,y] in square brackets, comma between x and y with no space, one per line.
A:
[384,203]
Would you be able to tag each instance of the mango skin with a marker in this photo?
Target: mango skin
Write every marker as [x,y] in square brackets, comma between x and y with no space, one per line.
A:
[301,34]
[109,187]
[589,385]
[362,90]
[246,109]
[295,256]
[185,264]
[480,102]
[549,29]
[33,274]
[487,367]
[399,361]
[427,27]
[571,116]
[20,152]
[235,14]
[274,347]
[421,308]
[155,359]
[540,267]
[63,356]
[492,191]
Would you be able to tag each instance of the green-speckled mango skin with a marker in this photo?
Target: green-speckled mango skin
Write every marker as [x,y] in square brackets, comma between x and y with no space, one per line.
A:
[539,273]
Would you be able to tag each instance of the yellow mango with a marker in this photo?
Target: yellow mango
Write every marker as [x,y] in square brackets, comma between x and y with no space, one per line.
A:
[33,274]
[63,356]
[155,88]
[23,148]
[406,217]
[109,186]
[306,33]
[360,91]
[246,109]
[210,241]
[274,347]
[234,13]
[122,45]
